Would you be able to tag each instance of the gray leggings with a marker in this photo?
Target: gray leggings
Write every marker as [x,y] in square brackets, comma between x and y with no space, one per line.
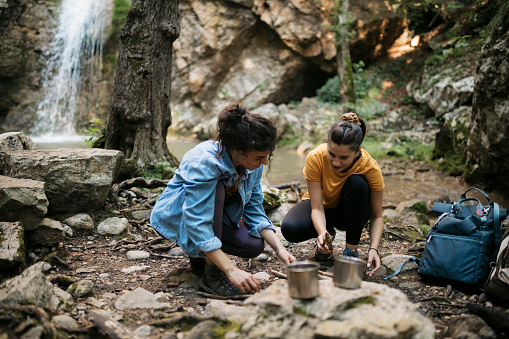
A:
[236,241]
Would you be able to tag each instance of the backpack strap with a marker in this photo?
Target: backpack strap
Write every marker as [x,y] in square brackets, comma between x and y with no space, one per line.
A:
[464,195]
[401,267]
[440,208]
[497,228]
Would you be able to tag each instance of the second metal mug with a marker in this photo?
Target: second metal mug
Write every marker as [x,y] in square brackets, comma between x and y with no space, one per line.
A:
[348,272]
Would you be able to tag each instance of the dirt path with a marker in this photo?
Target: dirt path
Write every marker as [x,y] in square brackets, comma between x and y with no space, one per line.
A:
[103,259]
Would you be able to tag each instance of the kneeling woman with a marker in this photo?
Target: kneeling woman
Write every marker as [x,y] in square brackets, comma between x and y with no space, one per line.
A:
[345,190]
[213,203]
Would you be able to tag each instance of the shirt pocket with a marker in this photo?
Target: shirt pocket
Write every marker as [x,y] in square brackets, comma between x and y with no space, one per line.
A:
[248,196]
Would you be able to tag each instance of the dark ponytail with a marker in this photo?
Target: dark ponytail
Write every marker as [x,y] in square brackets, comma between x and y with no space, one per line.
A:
[349,130]
[243,131]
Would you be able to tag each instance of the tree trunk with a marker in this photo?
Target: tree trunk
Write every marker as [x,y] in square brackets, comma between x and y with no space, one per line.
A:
[344,61]
[139,114]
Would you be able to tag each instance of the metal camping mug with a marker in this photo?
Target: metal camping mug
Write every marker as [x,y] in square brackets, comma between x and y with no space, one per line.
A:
[348,272]
[303,279]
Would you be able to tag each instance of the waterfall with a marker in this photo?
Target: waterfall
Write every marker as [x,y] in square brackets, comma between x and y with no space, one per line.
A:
[73,56]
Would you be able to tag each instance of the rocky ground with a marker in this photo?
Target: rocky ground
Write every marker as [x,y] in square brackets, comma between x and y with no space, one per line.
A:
[104,260]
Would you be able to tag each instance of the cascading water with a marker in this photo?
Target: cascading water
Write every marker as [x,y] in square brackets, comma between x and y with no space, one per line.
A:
[74,54]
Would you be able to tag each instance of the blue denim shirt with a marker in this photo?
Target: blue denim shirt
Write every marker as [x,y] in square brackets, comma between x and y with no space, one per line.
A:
[185,210]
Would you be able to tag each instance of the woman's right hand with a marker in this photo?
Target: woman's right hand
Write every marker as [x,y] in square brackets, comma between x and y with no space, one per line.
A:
[245,281]
[286,256]
[321,243]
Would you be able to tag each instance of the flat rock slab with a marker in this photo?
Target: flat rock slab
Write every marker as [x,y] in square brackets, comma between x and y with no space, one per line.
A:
[372,311]
[77,180]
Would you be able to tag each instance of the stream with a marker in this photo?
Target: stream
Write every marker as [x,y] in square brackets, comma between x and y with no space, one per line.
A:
[403,180]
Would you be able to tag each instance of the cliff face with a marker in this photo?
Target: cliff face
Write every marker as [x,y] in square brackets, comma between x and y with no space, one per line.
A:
[262,51]
[488,143]
[24,32]
[27,28]
[252,51]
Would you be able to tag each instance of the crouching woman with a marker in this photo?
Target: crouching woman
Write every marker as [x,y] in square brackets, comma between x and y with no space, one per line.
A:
[213,204]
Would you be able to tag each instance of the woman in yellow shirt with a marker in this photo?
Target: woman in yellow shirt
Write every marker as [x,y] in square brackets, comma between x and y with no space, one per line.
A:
[345,190]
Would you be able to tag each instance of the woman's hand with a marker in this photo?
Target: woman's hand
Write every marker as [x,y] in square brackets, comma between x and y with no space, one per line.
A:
[373,261]
[245,281]
[322,244]
[285,256]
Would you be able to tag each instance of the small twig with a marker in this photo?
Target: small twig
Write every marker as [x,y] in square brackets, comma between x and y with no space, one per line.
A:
[160,255]
[444,312]
[279,274]
[142,182]
[396,235]
[139,222]
[186,318]
[435,299]
[151,241]
[447,291]
[327,274]
[451,305]
[220,297]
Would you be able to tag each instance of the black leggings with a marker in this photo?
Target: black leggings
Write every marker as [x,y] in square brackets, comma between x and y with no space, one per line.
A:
[350,215]
[236,241]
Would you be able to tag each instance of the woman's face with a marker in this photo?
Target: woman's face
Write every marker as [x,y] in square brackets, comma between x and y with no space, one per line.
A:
[251,160]
[340,156]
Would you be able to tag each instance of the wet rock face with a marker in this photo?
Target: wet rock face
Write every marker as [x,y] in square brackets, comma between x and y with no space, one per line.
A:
[488,143]
[24,32]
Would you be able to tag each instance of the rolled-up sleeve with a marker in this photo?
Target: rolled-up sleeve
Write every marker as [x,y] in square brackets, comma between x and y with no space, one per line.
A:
[198,210]
[254,214]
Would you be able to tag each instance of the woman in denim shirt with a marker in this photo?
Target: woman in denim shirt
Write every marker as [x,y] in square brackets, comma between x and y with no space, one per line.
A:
[213,203]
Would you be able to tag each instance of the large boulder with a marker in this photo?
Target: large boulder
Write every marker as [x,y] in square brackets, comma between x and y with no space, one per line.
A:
[77,180]
[372,311]
[488,142]
[441,94]
[15,141]
[22,200]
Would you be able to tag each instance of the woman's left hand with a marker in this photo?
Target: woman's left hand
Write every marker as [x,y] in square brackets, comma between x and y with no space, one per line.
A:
[373,261]
[285,256]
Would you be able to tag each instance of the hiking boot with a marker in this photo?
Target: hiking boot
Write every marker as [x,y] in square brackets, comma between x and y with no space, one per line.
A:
[214,281]
[321,257]
[197,266]
[349,253]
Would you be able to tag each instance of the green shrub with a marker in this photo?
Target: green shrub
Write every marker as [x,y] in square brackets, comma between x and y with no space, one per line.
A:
[161,170]
[96,131]
[330,92]
[404,149]
[120,9]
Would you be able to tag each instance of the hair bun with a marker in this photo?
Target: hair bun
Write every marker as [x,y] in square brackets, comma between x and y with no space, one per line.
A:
[351,117]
